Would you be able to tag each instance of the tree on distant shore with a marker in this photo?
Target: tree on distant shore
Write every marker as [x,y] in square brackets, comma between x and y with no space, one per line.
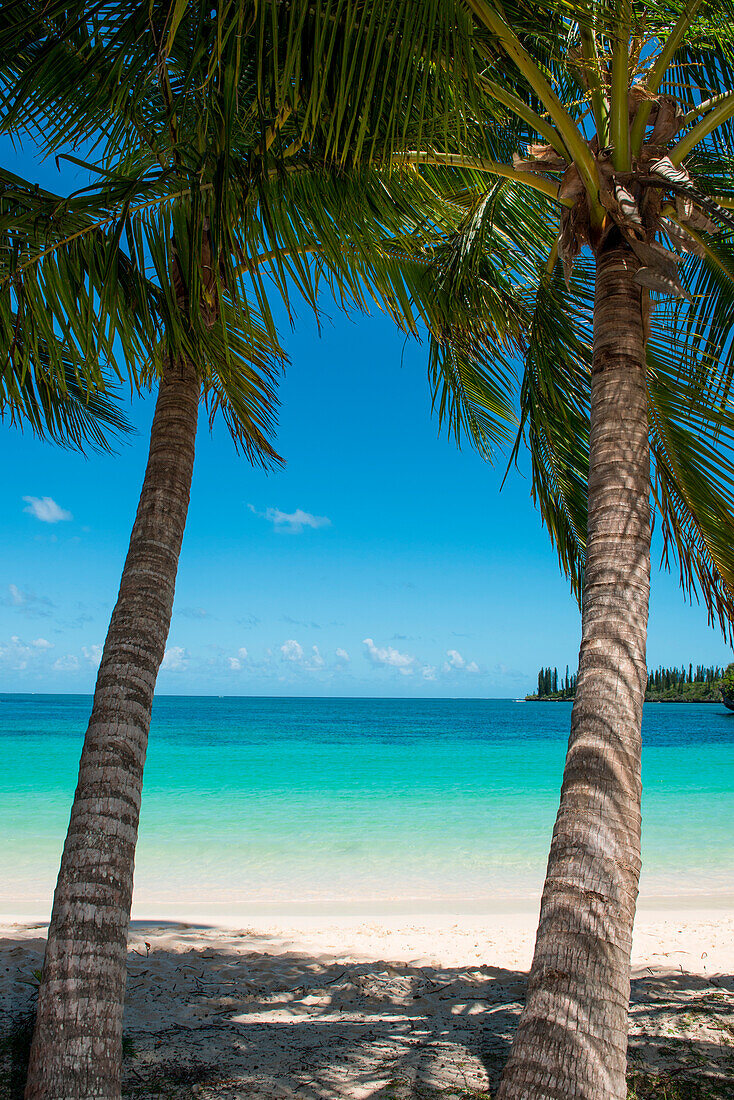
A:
[702,684]
[547,679]
[727,686]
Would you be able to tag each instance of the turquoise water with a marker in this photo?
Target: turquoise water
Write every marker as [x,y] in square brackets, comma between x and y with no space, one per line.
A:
[373,804]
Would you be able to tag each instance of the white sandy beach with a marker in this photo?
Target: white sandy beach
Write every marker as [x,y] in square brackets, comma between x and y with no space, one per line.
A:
[358,1007]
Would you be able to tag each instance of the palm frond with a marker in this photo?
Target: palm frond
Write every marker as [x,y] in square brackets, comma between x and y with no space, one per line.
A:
[554,404]
[63,409]
[692,445]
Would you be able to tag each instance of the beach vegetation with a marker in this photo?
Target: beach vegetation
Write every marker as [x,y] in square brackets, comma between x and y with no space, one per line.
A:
[669,684]
[676,1086]
[727,686]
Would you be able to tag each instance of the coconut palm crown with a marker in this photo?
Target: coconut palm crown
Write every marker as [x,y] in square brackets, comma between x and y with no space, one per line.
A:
[231,152]
[626,134]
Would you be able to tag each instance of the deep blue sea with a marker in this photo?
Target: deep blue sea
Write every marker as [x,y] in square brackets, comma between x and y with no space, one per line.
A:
[261,805]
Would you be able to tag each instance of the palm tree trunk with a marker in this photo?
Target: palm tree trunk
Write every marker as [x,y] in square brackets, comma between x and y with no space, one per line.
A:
[77,1045]
[572,1036]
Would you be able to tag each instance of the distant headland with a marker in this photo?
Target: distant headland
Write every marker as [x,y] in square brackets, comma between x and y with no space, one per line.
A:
[702,684]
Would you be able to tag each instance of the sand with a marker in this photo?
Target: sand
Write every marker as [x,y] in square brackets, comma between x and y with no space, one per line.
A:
[393,1008]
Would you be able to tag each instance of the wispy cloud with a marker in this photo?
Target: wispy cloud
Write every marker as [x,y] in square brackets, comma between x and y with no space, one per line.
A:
[67,663]
[292,522]
[15,597]
[193,613]
[46,509]
[342,655]
[248,620]
[27,603]
[305,623]
[390,657]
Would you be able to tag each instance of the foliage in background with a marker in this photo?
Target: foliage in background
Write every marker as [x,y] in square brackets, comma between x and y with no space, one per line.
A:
[702,684]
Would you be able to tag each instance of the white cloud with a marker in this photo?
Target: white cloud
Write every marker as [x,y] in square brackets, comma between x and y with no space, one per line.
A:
[236,663]
[456,663]
[342,654]
[293,522]
[428,672]
[291,651]
[93,654]
[388,655]
[315,660]
[174,659]
[455,660]
[46,509]
[68,663]
[18,655]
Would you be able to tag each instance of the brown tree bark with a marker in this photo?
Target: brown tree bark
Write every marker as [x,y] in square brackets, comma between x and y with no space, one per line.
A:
[77,1045]
[571,1042]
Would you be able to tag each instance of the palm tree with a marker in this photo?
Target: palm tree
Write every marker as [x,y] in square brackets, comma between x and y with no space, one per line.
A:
[604,223]
[233,161]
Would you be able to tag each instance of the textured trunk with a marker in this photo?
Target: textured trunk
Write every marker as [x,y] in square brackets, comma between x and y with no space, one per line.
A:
[77,1046]
[572,1036]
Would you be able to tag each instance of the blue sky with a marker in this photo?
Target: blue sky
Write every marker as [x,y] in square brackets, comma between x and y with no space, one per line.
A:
[409,573]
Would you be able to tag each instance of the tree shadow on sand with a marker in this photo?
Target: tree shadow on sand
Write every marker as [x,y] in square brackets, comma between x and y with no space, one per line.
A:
[257,1021]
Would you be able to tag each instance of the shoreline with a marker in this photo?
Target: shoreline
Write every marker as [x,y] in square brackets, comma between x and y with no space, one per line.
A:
[703,935]
[682,699]
[227,915]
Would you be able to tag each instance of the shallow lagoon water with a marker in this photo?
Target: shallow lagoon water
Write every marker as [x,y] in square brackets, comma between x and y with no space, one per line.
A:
[258,804]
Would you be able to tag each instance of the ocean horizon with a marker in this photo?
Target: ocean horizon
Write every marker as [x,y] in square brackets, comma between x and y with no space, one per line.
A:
[293,804]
